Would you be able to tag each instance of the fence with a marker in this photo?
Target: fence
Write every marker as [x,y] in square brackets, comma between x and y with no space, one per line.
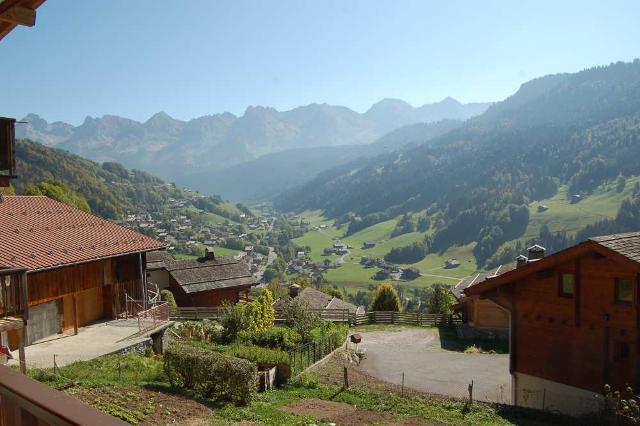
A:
[307,354]
[390,317]
[153,317]
[194,313]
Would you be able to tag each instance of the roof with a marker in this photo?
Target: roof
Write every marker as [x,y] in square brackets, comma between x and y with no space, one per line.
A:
[158,260]
[195,276]
[17,12]
[316,300]
[40,233]
[476,279]
[626,246]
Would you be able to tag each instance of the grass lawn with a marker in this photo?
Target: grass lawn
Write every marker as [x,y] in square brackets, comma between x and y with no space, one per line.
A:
[135,389]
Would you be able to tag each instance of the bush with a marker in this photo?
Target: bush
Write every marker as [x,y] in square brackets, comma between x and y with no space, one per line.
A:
[274,337]
[233,320]
[327,329]
[167,296]
[263,357]
[386,298]
[205,330]
[211,374]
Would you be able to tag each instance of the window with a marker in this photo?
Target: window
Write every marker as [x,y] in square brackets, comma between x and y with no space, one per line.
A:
[566,284]
[624,290]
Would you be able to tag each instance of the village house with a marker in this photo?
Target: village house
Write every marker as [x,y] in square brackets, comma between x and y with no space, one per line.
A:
[451,263]
[316,300]
[79,268]
[208,281]
[573,320]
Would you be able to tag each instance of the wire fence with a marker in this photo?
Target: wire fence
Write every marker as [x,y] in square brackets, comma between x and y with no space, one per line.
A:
[307,354]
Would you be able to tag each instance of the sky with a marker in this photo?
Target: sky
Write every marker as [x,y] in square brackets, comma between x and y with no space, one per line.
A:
[196,57]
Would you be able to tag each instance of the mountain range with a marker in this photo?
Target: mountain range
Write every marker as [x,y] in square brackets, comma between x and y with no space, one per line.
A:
[475,182]
[174,149]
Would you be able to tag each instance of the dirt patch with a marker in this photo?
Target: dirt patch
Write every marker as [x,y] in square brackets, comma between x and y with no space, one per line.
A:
[143,406]
[347,415]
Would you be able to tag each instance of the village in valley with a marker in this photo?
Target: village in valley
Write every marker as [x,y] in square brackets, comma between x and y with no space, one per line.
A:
[388,289]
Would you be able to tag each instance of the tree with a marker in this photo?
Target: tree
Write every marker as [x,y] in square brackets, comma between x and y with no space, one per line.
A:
[59,192]
[386,298]
[298,316]
[441,300]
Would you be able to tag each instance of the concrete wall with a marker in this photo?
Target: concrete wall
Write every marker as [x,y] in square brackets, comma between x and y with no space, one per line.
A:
[541,394]
[44,320]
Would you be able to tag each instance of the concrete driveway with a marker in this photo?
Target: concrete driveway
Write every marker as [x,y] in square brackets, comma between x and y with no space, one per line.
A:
[428,367]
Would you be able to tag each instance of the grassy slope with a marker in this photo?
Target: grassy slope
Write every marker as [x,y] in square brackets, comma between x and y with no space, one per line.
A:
[354,277]
[561,216]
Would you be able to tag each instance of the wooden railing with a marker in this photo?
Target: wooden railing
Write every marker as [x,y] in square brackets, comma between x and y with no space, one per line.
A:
[24,401]
[194,313]
[153,317]
[409,318]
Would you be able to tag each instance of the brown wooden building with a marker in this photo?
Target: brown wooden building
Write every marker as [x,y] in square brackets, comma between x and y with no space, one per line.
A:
[79,268]
[208,281]
[574,320]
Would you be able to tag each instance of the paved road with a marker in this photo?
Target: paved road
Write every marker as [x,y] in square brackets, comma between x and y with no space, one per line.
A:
[428,367]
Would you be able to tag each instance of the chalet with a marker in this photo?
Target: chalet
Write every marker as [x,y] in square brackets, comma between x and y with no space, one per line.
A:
[573,320]
[316,300]
[451,263]
[207,281]
[368,245]
[79,268]
[482,318]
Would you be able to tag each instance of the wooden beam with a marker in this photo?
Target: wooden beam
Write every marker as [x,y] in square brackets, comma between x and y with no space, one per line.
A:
[22,339]
[19,15]
[75,314]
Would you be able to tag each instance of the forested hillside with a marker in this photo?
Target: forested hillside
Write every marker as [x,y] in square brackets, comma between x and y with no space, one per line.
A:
[475,183]
[110,189]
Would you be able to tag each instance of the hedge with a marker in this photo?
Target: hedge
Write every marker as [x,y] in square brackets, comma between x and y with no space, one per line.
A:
[274,337]
[211,374]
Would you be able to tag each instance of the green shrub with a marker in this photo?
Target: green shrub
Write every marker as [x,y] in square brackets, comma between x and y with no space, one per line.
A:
[386,298]
[298,316]
[274,337]
[204,330]
[211,374]
[167,296]
[263,357]
[327,328]
[233,321]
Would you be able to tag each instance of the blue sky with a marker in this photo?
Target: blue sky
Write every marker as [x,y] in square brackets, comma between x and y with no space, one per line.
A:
[196,57]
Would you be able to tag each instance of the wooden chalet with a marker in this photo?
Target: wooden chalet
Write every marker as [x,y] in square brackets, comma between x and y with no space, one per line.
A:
[76,267]
[574,322]
[205,282]
[17,12]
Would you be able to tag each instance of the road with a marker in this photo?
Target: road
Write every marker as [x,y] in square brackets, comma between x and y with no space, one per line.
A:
[418,353]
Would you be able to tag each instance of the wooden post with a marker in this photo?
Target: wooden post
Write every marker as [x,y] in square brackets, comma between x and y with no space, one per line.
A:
[75,314]
[346,378]
[471,393]
[22,337]
[402,392]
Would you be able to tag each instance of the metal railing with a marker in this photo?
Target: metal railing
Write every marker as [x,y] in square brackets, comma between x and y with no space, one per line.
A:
[307,354]
[24,401]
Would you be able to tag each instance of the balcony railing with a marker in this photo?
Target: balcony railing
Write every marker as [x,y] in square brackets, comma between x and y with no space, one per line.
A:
[13,293]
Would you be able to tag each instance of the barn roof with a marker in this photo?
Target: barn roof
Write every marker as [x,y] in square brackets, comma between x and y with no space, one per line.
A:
[627,244]
[40,233]
[158,260]
[316,299]
[195,276]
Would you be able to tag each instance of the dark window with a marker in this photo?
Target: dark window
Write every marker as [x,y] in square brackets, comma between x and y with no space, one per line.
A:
[624,290]
[566,285]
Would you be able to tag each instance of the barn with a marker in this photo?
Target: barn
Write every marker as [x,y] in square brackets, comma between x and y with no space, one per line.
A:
[79,268]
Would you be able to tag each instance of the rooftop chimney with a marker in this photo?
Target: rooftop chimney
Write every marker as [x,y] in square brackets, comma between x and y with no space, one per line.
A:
[209,255]
[521,261]
[535,252]
[294,289]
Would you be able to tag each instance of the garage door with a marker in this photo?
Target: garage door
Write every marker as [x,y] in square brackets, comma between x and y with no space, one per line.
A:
[44,320]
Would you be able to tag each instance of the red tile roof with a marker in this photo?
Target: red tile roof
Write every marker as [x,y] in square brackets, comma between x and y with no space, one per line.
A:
[37,232]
